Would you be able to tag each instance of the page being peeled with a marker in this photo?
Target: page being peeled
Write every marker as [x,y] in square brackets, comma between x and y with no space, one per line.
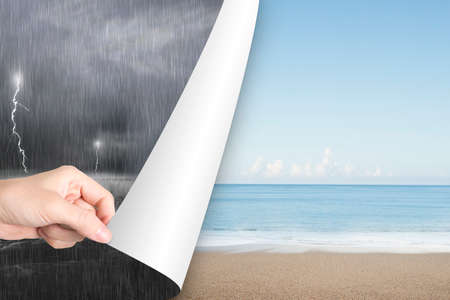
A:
[161,217]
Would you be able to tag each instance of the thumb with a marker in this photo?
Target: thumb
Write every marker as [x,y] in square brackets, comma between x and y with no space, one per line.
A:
[84,221]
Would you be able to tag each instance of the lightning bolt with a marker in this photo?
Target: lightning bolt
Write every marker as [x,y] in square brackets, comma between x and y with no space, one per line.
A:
[16,104]
[96,161]
[97,145]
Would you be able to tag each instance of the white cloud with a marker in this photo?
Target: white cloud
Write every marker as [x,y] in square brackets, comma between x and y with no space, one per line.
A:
[320,170]
[308,169]
[256,167]
[296,170]
[273,169]
[327,167]
[324,166]
[377,172]
[348,169]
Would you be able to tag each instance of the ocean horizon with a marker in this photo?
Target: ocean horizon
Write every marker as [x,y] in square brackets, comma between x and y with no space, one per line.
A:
[337,218]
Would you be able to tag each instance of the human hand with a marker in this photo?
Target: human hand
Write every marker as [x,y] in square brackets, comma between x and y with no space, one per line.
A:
[62,206]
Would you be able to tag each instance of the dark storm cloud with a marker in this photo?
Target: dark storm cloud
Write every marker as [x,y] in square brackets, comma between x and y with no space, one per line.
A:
[107,70]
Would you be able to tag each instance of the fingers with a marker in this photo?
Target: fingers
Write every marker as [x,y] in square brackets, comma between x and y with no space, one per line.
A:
[59,238]
[56,244]
[17,232]
[84,205]
[56,232]
[94,194]
[84,221]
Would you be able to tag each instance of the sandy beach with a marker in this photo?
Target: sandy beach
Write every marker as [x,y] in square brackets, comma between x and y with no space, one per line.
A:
[259,275]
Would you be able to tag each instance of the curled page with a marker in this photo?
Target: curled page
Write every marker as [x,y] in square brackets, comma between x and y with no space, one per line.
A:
[161,217]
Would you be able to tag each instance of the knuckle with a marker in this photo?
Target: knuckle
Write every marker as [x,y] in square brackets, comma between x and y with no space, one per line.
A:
[110,196]
[109,199]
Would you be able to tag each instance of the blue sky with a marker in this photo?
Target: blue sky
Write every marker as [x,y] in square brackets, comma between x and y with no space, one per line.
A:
[345,92]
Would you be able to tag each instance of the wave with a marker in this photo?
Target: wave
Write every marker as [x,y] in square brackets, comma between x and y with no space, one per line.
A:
[347,242]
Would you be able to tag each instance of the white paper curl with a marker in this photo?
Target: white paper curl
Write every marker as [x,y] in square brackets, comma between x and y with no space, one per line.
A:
[160,219]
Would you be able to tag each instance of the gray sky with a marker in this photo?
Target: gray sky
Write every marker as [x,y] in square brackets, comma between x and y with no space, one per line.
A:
[95,70]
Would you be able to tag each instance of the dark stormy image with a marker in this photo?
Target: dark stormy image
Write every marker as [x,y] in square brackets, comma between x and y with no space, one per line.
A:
[90,83]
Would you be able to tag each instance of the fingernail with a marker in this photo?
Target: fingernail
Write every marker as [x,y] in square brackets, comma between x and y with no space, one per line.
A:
[103,235]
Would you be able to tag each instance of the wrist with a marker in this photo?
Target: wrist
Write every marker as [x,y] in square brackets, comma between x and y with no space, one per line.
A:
[5,188]
[3,196]
[3,184]
[7,194]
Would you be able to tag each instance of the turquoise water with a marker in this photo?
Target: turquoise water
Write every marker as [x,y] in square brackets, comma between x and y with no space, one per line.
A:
[329,217]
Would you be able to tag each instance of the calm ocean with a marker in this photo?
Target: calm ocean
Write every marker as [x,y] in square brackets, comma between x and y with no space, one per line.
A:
[349,218]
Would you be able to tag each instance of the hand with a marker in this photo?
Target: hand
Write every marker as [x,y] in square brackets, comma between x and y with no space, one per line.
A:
[62,206]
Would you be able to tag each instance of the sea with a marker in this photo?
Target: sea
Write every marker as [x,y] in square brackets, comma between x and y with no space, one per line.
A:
[336,218]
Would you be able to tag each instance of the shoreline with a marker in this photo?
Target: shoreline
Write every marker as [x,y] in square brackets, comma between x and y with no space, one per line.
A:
[335,242]
[317,275]
[303,249]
